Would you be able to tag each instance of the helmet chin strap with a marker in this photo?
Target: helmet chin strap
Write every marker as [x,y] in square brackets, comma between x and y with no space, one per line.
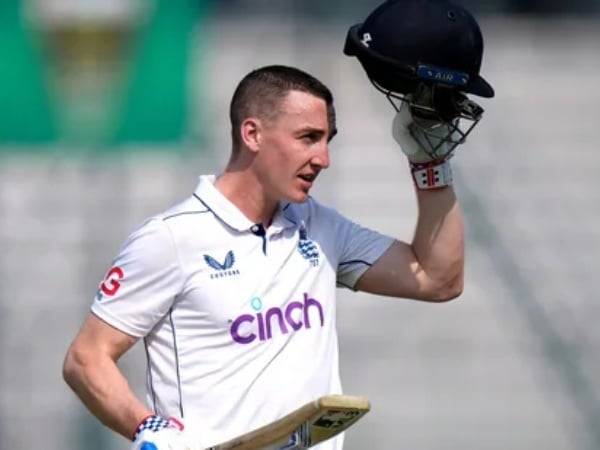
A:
[442,117]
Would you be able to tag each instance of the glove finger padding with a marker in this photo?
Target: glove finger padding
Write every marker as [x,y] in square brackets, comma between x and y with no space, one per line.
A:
[422,140]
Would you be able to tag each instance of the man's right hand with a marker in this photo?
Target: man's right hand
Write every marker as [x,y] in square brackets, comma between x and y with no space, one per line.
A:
[158,433]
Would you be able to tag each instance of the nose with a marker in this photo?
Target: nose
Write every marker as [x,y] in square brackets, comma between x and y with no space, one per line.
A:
[321,157]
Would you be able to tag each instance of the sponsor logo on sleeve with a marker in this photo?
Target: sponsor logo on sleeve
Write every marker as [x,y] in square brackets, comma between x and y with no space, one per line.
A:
[111,283]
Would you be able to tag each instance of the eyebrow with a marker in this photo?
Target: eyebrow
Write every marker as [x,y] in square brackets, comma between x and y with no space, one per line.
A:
[310,129]
[320,131]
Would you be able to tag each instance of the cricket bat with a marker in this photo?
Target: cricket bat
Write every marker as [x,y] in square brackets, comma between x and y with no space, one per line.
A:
[305,427]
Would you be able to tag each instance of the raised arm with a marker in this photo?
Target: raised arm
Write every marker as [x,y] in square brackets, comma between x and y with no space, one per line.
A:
[431,267]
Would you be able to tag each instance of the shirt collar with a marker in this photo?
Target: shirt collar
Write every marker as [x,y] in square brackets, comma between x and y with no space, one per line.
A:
[285,217]
[226,211]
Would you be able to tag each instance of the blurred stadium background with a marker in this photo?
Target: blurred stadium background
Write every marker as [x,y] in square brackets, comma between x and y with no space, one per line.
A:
[110,109]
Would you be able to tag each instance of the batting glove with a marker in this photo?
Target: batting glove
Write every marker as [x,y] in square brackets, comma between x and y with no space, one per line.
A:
[428,141]
[158,433]
[426,147]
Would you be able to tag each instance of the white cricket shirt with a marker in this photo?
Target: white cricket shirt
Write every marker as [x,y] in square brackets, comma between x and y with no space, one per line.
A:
[238,322]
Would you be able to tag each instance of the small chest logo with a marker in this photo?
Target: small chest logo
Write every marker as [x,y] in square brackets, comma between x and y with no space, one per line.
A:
[307,248]
[224,269]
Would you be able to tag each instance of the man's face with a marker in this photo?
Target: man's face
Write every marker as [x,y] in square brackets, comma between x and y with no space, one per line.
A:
[294,147]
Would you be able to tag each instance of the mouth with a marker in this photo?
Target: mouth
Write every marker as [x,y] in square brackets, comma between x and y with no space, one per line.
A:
[306,181]
[308,177]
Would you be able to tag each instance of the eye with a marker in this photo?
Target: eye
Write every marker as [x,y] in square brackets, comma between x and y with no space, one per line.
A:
[310,137]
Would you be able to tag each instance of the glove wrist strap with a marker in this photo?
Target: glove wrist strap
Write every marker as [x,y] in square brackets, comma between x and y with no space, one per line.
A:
[431,175]
[156,423]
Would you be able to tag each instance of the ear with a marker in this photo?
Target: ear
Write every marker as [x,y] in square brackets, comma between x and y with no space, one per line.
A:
[251,133]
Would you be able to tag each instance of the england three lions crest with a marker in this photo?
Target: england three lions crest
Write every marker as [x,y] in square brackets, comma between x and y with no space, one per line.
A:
[307,247]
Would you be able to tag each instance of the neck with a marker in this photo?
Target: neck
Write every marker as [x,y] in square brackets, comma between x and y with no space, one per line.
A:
[240,185]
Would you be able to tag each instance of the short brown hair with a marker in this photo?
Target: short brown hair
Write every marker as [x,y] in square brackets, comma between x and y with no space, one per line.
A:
[260,92]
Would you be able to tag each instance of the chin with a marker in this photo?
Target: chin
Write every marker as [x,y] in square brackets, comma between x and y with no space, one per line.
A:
[298,197]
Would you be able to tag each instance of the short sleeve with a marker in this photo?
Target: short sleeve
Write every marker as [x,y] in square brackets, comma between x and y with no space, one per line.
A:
[140,287]
[357,247]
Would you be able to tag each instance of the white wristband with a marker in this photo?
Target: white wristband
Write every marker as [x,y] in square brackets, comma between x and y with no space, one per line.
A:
[433,175]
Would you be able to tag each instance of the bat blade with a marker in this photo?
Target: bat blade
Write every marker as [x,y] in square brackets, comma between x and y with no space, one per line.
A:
[305,427]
